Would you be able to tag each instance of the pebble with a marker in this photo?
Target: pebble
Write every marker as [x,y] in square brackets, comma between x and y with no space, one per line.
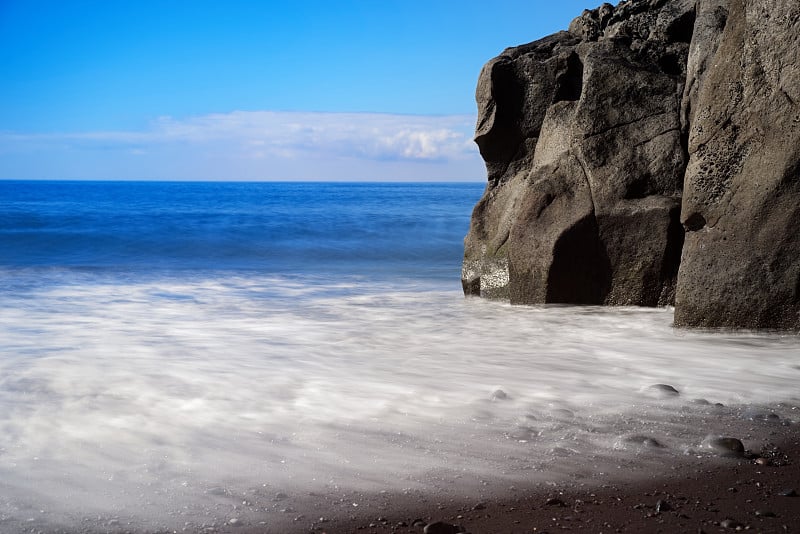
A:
[730,523]
[724,446]
[440,527]
[479,506]
[664,390]
[562,413]
[770,417]
[499,394]
[763,461]
[234,522]
[663,506]
[788,493]
[764,513]
[554,501]
[418,523]
[701,402]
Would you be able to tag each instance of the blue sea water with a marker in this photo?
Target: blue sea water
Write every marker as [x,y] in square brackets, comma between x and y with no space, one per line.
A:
[411,231]
[170,351]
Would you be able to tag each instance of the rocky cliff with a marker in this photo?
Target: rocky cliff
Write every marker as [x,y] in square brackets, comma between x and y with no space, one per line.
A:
[648,156]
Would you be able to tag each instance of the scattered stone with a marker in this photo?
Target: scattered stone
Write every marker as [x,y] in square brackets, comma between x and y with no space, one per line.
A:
[763,461]
[701,402]
[280,496]
[418,523]
[724,446]
[499,394]
[479,506]
[554,501]
[764,513]
[770,417]
[402,524]
[663,390]
[235,522]
[663,506]
[731,523]
[788,493]
[440,527]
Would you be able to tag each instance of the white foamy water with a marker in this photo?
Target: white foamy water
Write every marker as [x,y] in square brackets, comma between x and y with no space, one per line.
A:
[158,403]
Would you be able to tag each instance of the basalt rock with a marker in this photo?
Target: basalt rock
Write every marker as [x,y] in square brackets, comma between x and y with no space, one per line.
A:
[741,202]
[649,151]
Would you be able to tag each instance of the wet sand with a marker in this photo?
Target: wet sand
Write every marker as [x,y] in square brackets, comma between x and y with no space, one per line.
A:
[688,493]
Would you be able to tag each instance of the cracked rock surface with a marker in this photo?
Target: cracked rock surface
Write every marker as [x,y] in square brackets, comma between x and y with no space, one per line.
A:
[647,156]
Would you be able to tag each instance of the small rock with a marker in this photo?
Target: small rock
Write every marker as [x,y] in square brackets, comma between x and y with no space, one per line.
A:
[764,513]
[701,402]
[440,527]
[724,446]
[562,413]
[730,523]
[788,493]
[554,501]
[402,524]
[663,390]
[280,496]
[763,461]
[235,522]
[479,506]
[763,416]
[418,523]
[663,506]
[499,394]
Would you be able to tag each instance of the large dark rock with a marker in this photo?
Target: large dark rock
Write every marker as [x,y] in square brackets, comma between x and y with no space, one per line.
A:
[591,135]
[741,204]
[583,142]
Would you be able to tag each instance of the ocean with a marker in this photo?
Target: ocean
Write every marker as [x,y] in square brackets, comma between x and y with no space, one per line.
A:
[173,356]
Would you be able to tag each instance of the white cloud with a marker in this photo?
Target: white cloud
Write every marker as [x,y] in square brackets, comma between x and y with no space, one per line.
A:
[261,145]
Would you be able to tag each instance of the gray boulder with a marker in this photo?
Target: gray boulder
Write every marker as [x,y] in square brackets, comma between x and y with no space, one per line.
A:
[584,148]
[648,156]
[741,203]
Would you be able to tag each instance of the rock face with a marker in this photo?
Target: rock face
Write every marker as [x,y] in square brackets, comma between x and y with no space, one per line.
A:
[741,202]
[647,156]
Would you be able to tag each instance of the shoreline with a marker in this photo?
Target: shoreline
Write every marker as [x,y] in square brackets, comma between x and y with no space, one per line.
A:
[691,493]
[658,488]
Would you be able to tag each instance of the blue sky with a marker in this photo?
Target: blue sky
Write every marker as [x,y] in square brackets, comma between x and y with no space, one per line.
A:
[245,90]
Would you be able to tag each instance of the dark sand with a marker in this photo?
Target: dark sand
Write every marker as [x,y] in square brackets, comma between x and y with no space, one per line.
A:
[686,493]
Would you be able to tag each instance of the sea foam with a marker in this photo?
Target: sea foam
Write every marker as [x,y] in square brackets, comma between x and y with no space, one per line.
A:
[160,401]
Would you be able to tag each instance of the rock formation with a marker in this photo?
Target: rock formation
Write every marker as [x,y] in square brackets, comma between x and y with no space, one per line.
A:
[647,156]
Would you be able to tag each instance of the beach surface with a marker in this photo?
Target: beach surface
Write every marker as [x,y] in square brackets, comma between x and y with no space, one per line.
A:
[756,492]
